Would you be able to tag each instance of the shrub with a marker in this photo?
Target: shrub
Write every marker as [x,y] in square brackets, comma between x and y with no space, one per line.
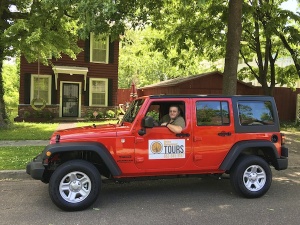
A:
[26,114]
[100,115]
[38,114]
[154,115]
[89,115]
[110,114]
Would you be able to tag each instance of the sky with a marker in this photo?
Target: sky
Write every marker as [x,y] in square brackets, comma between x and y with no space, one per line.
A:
[290,5]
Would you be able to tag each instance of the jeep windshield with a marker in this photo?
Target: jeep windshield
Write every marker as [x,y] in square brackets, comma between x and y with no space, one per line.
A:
[133,110]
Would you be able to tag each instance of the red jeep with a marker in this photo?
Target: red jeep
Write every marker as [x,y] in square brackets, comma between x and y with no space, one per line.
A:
[237,135]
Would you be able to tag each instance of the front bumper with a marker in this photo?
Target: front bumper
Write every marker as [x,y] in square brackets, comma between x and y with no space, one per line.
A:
[35,168]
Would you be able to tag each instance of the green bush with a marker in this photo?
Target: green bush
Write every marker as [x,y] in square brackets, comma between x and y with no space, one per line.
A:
[110,114]
[100,115]
[154,114]
[38,114]
[89,115]
[47,114]
[26,114]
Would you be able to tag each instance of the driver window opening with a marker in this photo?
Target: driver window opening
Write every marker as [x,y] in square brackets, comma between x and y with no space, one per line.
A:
[157,110]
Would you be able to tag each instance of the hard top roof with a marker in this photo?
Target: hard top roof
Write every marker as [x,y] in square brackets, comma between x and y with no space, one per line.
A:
[210,96]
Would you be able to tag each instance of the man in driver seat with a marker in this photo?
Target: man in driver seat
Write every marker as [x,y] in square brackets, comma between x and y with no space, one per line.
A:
[174,121]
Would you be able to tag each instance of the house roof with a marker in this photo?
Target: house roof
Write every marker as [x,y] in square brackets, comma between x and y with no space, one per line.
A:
[179,80]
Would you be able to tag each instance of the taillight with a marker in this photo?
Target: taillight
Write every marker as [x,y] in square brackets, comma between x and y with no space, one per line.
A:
[282,138]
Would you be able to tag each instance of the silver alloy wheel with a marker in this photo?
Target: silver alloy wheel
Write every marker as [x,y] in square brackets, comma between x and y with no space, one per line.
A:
[254,178]
[75,187]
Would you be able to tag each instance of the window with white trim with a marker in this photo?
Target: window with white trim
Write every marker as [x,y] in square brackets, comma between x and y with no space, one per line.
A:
[41,88]
[99,48]
[98,92]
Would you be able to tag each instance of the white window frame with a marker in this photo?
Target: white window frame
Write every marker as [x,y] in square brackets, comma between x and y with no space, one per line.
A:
[91,49]
[49,77]
[90,91]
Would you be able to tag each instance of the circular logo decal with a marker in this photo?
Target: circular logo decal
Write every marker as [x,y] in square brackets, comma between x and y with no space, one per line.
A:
[156,147]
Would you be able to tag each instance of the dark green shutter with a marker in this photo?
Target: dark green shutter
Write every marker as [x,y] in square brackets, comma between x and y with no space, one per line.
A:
[110,92]
[87,45]
[27,86]
[111,51]
[53,91]
[86,93]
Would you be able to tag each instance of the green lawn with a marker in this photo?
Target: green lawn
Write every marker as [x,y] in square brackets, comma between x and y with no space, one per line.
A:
[28,131]
[16,158]
[38,131]
[290,127]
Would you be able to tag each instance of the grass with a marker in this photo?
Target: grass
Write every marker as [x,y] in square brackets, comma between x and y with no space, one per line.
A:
[290,127]
[38,131]
[16,158]
[28,131]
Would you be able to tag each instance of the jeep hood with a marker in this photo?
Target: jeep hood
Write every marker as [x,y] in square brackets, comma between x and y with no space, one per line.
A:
[87,133]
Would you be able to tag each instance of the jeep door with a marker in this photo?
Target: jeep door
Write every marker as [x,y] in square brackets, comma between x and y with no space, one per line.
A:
[213,128]
[159,149]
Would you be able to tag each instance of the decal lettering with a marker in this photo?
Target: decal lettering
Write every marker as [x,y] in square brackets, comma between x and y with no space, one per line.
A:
[166,149]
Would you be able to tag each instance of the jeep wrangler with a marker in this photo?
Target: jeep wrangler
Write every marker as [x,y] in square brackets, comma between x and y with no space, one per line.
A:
[235,135]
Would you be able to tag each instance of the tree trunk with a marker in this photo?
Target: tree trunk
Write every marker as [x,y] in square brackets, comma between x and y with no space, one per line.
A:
[3,115]
[232,47]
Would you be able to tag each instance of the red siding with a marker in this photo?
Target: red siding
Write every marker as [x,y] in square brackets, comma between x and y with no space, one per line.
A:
[212,84]
[99,70]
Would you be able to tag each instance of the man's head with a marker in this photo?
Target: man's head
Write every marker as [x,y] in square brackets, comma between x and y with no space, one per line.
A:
[174,111]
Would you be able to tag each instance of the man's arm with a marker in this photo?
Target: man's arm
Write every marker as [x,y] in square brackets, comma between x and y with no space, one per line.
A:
[174,128]
[177,126]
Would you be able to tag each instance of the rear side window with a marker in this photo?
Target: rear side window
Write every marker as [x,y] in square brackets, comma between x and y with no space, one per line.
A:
[253,113]
[212,113]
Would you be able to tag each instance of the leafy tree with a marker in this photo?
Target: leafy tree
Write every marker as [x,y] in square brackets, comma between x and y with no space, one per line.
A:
[139,61]
[39,27]
[270,33]
[201,27]
[11,83]
[35,28]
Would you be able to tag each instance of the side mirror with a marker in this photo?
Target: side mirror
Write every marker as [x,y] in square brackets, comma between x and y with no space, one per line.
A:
[147,122]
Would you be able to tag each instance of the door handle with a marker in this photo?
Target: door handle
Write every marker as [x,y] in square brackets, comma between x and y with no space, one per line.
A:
[223,134]
[183,135]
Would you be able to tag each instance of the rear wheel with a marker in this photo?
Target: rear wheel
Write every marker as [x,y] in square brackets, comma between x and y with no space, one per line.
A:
[251,176]
[75,185]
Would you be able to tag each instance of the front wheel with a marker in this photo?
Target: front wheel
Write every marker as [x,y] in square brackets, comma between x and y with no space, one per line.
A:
[74,185]
[251,176]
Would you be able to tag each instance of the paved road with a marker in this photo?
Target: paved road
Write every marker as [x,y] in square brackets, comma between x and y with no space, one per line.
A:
[178,201]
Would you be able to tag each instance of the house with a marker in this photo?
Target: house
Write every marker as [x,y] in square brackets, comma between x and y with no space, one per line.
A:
[206,83]
[71,88]
[287,100]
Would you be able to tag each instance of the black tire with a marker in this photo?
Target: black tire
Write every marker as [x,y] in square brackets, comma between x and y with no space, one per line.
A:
[251,176]
[75,185]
